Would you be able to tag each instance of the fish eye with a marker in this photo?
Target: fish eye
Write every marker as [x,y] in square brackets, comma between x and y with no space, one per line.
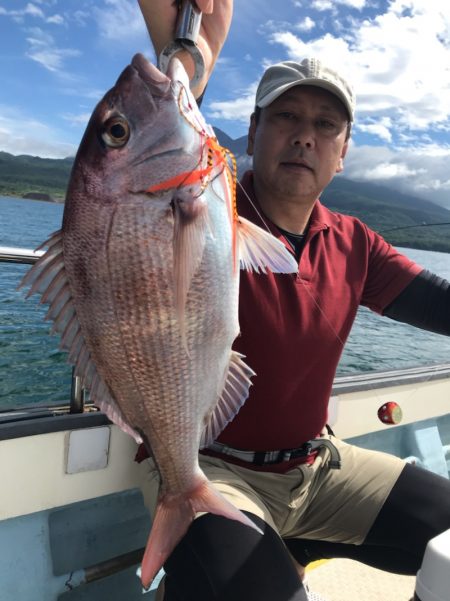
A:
[116,132]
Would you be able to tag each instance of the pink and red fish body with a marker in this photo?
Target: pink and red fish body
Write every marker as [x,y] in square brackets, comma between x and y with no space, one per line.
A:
[143,282]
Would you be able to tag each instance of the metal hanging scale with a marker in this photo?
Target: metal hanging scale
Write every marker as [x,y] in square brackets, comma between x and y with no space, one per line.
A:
[186,35]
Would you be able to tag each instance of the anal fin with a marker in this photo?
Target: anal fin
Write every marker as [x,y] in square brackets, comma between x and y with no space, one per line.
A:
[234,394]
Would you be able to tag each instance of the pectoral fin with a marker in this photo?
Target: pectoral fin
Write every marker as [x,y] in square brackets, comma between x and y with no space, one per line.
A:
[191,224]
[260,251]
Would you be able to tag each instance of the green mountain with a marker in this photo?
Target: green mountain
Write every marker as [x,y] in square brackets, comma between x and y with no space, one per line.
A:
[402,219]
[24,174]
[381,208]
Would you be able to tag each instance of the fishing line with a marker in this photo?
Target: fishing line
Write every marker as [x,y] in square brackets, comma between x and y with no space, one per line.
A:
[404,227]
[254,206]
[202,132]
[319,308]
[407,227]
[305,287]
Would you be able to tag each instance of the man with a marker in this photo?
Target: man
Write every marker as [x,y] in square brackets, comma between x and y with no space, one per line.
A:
[307,491]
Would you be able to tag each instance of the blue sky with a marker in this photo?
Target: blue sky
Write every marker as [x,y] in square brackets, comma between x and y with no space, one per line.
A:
[58,58]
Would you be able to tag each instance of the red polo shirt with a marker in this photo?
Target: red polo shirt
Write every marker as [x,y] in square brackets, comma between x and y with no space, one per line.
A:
[293,326]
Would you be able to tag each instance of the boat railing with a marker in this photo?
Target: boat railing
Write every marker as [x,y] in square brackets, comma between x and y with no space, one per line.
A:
[11,254]
[342,384]
[396,377]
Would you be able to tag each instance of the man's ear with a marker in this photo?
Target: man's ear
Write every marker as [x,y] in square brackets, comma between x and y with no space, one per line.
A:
[340,165]
[251,135]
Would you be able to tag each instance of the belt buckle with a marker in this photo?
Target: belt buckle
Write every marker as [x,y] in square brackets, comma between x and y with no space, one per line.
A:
[308,448]
[304,451]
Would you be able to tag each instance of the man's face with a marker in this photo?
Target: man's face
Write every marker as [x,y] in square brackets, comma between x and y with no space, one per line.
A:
[298,144]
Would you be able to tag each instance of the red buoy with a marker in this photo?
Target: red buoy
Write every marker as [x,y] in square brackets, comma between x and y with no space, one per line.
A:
[390,413]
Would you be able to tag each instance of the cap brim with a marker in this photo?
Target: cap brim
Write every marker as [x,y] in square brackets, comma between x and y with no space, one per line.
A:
[318,83]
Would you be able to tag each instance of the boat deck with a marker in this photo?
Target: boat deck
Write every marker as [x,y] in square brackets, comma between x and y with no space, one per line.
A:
[348,580]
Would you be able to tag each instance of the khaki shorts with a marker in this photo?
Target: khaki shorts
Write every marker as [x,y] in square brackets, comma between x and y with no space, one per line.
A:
[309,501]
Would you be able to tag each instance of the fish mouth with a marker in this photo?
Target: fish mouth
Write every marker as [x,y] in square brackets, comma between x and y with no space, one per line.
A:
[155,79]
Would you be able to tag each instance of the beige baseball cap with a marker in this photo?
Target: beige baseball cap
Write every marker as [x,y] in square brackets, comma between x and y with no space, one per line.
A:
[311,72]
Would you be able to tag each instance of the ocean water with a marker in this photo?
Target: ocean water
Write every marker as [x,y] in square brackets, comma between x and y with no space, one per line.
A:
[33,370]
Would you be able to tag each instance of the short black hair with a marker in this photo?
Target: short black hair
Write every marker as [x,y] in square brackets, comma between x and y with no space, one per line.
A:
[257,114]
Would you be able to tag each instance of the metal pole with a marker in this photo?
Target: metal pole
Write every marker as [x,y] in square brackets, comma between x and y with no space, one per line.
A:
[76,394]
[10,254]
[111,566]
[100,570]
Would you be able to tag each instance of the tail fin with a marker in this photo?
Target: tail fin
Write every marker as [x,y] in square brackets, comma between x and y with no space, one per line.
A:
[173,518]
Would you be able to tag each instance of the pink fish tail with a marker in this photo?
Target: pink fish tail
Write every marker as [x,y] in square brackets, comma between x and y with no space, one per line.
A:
[172,520]
[208,499]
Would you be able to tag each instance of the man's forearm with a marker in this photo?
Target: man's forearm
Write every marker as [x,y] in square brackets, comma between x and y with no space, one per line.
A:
[424,303]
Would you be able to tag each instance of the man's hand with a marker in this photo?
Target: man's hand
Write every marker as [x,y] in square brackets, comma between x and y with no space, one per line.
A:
[161,17]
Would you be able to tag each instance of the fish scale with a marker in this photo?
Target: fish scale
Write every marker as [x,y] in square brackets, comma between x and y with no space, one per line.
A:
[153,337]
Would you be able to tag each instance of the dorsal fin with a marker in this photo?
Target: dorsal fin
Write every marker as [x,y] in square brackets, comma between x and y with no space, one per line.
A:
[48,278]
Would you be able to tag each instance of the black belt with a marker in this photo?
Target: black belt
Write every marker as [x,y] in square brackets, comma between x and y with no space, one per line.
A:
[271,457]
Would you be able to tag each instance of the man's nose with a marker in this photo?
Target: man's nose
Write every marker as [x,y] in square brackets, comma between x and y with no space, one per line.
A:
[303,134]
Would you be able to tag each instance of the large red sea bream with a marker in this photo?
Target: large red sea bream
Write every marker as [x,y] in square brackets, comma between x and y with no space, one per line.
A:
[142,282]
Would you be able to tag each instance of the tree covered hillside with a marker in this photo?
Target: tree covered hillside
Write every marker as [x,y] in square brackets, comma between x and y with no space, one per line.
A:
[386,211]
[20,175]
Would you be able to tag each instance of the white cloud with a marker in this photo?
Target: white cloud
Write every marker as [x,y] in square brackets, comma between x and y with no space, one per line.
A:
[80,17]
[33,10]
[42,49]
[238,109]
[421,171]
[51,58]
[77,120]
[358,4]
[254,12]
[403,95]
[120,20]
[55,19]
[380,128]
[333,5]
[306,24]
[322,5]
[94,94]
[399,63]
[21,134]
[387,171]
